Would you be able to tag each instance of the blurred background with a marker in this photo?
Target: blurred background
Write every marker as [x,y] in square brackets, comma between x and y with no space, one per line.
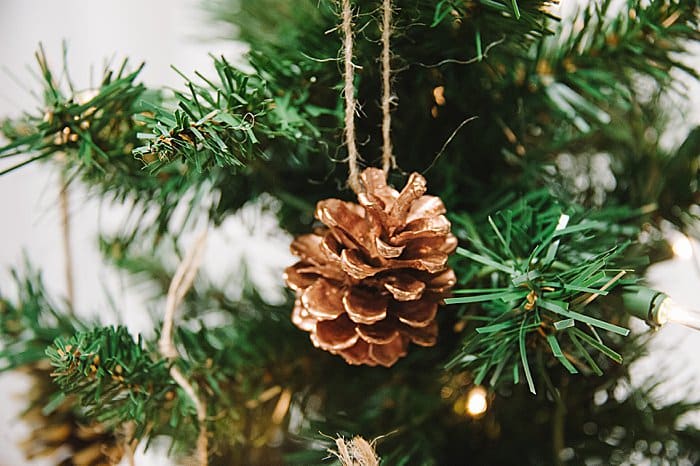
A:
[162,33]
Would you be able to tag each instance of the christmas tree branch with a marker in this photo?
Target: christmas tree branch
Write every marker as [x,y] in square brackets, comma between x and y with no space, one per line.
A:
[523,23]
[211,125]
[191,139]
[552,261]
[115,378]
[93,127]
[31,322]
[103,373]
[214,124]
[92,133]
[589,70]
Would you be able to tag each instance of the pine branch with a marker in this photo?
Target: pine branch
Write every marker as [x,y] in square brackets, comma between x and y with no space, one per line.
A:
[94,126]
[193,139]
[414,427]
[115,378]
[92,133]
[28,324]
[579,93]
[547,262]
[521,23]
[589,71]
[31,322]
[213,124]
[105,376]
[544,292]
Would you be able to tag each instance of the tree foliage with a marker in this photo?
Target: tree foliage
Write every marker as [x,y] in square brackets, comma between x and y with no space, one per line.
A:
[557,191]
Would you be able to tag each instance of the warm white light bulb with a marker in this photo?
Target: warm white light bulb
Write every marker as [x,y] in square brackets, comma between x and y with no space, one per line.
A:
[681,247]
[477,403]
[656,308]
[670,311]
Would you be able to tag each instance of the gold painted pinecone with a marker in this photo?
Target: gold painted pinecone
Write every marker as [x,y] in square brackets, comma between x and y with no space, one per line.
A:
[371,281]
[87,444]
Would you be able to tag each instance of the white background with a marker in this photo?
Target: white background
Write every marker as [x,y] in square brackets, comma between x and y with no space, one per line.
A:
[164,33]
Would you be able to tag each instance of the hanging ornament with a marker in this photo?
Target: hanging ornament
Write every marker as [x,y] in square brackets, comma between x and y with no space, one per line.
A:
[62,432]
[370,282]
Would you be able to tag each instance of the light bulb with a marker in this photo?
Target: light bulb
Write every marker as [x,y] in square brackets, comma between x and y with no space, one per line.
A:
[439,95]
[671,311]
[681,246]
[477,403]
[657,308]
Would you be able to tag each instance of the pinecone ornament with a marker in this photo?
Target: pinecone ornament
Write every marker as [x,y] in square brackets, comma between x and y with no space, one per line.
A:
[61,431]
[370,281]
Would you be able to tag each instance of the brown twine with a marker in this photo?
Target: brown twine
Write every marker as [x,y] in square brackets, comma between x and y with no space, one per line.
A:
[388,161]
[65,233]
[350,104]
[355,452]
[179,286]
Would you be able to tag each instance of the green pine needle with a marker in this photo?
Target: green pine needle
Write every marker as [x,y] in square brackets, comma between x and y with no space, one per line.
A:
[556,255]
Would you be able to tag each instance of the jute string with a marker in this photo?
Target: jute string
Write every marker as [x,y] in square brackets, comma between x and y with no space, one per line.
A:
[388,160]
[350,104]
[355,452]
[179,286]
[64,200]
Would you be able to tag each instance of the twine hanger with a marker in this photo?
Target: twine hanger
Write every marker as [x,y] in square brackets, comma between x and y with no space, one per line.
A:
[388,160]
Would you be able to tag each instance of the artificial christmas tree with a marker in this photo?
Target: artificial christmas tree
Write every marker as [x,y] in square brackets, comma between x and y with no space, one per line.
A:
[540,140]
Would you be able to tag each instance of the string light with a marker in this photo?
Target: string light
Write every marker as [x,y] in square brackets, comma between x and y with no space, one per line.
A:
[681,246]
[439,95]
[657,308]
[473,403]
[477,402]
[671,311]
